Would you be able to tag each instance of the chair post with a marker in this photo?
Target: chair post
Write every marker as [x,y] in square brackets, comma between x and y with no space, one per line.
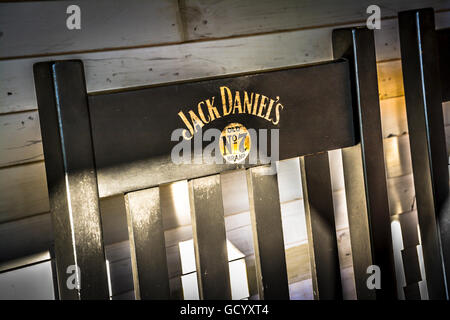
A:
[423,95]
[364,170]
[72,180]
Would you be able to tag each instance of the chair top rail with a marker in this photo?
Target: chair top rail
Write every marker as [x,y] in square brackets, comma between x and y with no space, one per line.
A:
[304,109]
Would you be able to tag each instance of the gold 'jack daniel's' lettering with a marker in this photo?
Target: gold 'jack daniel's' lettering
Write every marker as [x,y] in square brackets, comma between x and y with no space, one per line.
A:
[252,103]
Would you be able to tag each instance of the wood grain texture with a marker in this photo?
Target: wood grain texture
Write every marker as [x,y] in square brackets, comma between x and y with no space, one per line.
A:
[39,27]
[390,81]
[20,138]
[401,194]
[397,156]
[135,23]
[20,134]
[230,18]
[25,237]
[142,66]
[23,191]
[393,116]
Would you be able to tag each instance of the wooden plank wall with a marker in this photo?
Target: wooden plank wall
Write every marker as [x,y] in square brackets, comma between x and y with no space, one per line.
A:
[127,44]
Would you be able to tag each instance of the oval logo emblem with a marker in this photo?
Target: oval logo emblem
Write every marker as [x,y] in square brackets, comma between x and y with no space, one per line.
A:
[235,143]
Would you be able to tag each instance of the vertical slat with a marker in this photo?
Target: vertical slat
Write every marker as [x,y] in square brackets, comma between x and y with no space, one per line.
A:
[444,63]
[421,79]
[210,242]
[54,272]
[148,250]
[320,224]
[412,292]
[411,265]
[364,171]
[268,240]
[358,220]
[71,177]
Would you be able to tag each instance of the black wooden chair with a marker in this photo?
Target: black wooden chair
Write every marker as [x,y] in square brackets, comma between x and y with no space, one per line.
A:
[108,143]
[426,76]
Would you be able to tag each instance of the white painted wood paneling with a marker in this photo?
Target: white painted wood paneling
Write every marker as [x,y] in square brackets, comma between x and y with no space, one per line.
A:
[39,27]
[393,115]
[401,194]
[397,156]
[20,138]
[25,237]
[390,79]
[29,283]
[225,18]
[118,69]
[23,191]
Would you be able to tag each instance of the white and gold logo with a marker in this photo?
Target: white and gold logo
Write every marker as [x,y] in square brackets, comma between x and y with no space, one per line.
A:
[235,143]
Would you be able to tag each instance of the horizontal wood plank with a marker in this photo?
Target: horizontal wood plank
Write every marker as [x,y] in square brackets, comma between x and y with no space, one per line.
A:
[119,69]
[401,194]
[390,79]
[130,24]
[21,132]
[230,18]
[23,191]
[393,116]
[397,156]
[125,24]
[39,27]
[20,138]
[25,237]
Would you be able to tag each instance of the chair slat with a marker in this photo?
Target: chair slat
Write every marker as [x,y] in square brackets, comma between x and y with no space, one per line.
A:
[321,227]
[210,243]
[265,212]
[358,220]
[364,170]
[71,178]
[148,251]
[444,61]
[412,292]
[411,265]
[423,97]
